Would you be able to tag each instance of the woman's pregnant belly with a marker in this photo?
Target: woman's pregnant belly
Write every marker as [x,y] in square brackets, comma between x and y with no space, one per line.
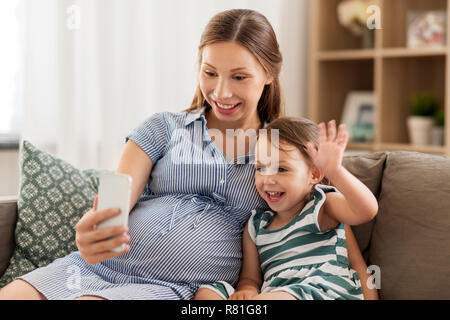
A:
[200,243]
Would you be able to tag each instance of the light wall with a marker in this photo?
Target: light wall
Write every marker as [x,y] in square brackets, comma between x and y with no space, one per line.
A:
[290,25]
[9,172]
[294,73]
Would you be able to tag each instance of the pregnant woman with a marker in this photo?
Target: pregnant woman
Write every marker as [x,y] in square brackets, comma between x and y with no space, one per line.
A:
[193,183]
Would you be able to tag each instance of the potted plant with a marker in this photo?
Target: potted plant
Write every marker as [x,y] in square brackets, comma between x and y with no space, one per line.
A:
[423,109]
[437,132]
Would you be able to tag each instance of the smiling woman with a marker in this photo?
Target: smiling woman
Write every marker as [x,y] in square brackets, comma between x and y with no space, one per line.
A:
[186,224]
[233,93]
[246,83]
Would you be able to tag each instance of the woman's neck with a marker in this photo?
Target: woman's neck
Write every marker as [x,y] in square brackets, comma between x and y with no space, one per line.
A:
[236,143]
[246,124]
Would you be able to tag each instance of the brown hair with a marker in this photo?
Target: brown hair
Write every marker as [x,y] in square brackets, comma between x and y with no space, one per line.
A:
[253,31]
[296,132]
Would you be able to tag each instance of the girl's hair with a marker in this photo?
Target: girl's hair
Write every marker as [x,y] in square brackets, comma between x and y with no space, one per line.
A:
[253,31]
[296,132]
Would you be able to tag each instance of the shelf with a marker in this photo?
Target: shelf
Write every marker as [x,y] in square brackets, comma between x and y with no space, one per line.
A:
[374,147]
[399,52]
[409,147]
[346,54]
[338,78]
[401,78]
[395,18]
[360,146]
[339,65]
[412,52]
[331,34]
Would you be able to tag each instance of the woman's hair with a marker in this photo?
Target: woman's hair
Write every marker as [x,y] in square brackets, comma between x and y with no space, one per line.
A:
[296,132]
[253,31]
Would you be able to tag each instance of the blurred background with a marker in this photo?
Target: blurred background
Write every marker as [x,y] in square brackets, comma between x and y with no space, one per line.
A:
[76,76]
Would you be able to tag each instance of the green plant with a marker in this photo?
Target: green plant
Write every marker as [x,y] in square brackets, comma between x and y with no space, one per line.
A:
[439,118]
[424,104]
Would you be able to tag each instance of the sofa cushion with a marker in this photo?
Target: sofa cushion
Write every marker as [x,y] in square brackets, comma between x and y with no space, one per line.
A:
[410,239]
[369,169]
[53,196]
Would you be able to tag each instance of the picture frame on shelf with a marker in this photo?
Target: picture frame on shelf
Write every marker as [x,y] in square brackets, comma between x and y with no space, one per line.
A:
[359,116]
[426,29]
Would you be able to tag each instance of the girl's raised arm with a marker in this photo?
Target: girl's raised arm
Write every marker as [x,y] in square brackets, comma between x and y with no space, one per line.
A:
[357,204]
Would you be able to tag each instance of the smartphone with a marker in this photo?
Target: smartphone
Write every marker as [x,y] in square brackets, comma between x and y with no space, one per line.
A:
[114,191]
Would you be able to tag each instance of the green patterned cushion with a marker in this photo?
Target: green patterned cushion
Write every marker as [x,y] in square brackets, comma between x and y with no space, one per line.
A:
[53,196]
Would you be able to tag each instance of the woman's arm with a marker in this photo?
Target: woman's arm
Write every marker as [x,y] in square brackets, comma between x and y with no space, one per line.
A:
[137,164]
[250,279]
[358,264]
[95,244]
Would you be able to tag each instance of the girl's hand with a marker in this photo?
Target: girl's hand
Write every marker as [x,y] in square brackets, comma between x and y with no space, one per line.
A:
[92,243]
[245,294]
[328,158]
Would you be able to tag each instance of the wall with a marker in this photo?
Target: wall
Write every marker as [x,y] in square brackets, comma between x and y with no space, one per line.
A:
[290,23]
[9,172]
[293,76]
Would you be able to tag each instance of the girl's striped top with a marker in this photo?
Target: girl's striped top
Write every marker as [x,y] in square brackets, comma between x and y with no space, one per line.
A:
[301,245]
[301,242]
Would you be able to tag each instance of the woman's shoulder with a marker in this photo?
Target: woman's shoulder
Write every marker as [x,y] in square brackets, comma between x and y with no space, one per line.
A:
[168,115]
[170,118]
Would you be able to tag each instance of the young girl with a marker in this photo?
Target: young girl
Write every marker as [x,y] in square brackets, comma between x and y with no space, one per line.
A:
[297,249]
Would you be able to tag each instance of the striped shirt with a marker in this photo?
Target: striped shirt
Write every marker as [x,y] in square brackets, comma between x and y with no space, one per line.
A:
[186,228]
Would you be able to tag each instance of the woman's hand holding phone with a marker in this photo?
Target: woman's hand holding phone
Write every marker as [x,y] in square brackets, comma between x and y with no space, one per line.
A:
[96,245]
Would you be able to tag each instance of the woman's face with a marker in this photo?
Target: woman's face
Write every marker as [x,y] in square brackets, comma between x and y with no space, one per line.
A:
[232,81]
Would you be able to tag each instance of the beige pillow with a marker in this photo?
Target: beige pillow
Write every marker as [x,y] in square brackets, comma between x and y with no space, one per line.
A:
[411,236]
[369,169]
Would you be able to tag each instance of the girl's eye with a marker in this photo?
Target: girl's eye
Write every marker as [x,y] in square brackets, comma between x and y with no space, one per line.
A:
[240,78]
[282,169]
[260,169]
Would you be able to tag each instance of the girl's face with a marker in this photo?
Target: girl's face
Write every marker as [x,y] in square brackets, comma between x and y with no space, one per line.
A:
[232,81]
[286,184]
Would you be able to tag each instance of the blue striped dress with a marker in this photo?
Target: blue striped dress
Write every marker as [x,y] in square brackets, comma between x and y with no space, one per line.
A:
[300,258]
[185,229]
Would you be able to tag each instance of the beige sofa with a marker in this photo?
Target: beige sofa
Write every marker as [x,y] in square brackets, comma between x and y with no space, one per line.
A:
[407,244]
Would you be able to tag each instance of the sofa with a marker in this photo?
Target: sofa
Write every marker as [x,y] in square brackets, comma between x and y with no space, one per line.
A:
[406,246]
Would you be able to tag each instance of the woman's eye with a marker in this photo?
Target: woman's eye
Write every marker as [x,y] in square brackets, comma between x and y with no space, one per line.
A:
[209,74]
[240,78]
[282,169]
[260,169]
